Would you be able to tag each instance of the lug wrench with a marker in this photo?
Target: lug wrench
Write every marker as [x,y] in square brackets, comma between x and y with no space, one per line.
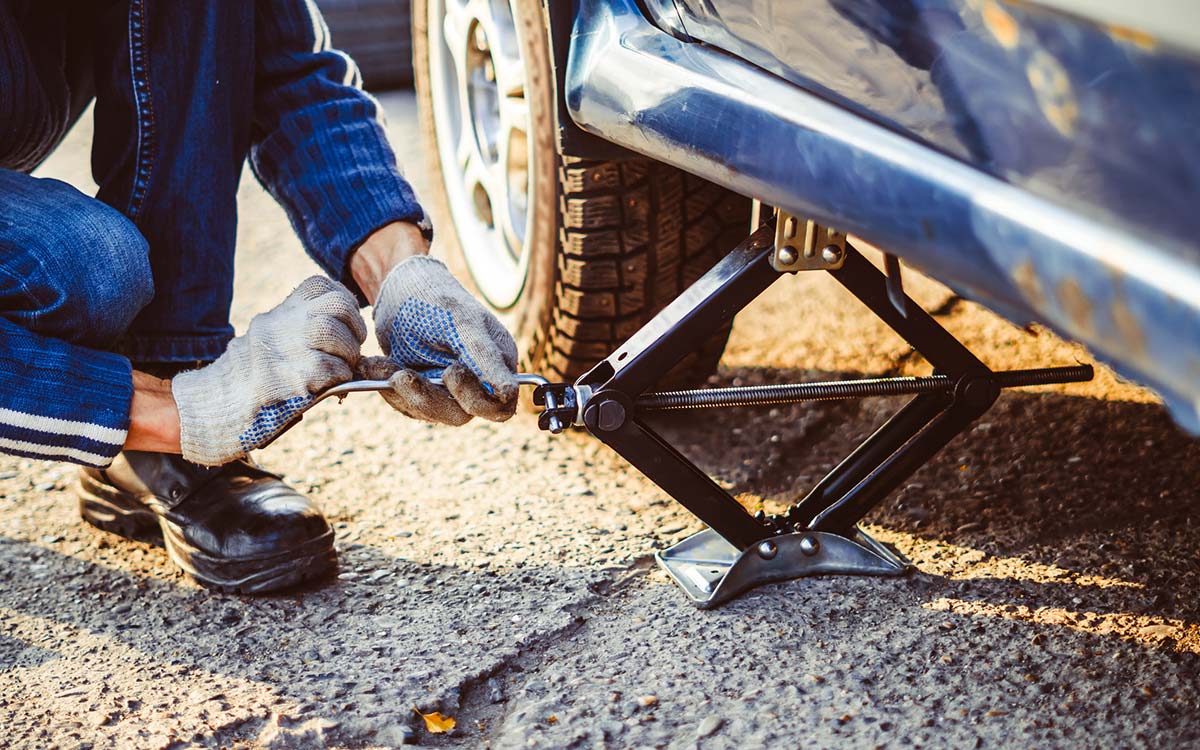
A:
[366,386]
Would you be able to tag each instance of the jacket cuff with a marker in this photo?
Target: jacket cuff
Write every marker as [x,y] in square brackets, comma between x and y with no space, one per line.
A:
[62,402]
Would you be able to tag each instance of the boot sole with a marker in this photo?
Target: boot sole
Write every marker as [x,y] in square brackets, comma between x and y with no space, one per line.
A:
[111,510]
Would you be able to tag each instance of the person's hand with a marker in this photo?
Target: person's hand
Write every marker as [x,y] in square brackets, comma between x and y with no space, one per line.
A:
[429,325]
[256,389]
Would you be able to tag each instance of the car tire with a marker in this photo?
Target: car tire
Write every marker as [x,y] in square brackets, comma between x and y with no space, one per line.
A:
[609,243]
[376,34]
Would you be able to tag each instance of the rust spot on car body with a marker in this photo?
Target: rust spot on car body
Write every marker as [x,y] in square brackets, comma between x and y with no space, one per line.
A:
[1052,88]
[1128,329]
[1000,24]
[1077,306]
[1027,281]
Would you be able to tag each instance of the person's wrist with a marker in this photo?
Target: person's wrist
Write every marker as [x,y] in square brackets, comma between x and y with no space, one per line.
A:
[381,251]
[153,416]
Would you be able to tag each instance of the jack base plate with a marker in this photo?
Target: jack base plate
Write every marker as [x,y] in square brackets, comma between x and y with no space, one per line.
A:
[712,571]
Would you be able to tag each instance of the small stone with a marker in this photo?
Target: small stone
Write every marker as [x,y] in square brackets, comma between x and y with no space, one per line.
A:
[279,735]
[947,625]
[647,700]
[709,726]
[493,690]
[918,513]
[1157,631]
[395,734]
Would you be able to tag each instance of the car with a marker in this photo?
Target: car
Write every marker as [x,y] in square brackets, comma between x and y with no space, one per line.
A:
[1041,158]
[623,176]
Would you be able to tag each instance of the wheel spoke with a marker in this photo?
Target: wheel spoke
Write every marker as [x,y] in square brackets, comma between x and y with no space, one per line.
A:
[514,114]
[506,228]
[512,175]
[464,150]
[456,26]
[510,73]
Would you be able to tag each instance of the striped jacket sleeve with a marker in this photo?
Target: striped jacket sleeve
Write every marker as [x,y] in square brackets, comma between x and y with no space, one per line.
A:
[59,401]
[319,144]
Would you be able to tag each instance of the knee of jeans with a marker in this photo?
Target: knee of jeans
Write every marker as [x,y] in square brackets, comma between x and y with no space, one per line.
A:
[126,284]
[71,267]
[108,278]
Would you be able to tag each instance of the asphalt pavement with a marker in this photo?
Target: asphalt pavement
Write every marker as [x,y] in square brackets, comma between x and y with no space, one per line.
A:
[503,577]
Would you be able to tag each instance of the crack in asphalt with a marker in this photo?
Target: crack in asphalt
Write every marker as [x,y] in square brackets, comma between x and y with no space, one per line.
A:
[476,701]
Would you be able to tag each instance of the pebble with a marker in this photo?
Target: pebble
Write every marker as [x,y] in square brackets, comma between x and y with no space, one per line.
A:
[647,700]
[918,513]
[493,690]
[709,726]
[1157,631]
[396,734]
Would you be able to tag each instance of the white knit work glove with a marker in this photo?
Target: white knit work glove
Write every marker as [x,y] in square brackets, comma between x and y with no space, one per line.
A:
[253,392]
[429,325]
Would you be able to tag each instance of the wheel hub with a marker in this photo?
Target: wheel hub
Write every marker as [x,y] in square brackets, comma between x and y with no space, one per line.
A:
[481,118]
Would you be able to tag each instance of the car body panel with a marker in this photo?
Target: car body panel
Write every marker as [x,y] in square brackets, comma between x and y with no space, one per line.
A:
[1101,117]
[1131,294]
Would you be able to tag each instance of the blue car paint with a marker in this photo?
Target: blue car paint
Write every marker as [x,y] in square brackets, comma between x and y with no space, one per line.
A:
[1131,293]
[1099,118]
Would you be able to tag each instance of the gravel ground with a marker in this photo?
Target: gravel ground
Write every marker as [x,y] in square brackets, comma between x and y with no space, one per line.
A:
[502,576]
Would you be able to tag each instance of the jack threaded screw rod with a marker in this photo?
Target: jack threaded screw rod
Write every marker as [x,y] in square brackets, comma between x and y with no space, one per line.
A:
[790,393]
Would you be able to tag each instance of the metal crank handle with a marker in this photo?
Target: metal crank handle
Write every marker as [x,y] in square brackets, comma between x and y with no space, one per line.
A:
[363,386]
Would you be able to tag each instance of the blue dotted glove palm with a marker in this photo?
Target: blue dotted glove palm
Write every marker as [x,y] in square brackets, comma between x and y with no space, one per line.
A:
[429,325]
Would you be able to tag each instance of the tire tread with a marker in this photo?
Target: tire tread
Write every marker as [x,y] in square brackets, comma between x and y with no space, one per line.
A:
[634,235]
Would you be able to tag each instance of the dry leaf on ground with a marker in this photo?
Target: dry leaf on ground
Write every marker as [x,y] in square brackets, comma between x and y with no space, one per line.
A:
[435,722]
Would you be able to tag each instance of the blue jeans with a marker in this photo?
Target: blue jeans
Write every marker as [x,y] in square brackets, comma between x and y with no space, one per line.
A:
[71,267]
[146,267]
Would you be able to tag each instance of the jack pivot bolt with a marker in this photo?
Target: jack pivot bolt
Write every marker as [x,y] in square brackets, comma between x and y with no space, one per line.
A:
[611,416]
[831,254]
[810,546]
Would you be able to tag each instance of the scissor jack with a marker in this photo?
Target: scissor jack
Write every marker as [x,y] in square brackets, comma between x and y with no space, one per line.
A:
[819,534]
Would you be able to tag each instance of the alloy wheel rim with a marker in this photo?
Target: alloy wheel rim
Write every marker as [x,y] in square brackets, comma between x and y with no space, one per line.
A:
[481,119]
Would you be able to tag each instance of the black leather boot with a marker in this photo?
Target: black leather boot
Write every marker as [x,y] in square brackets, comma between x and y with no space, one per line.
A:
[235,528]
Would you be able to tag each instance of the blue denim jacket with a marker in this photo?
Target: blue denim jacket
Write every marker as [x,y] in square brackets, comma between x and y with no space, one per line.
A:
[185,94]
